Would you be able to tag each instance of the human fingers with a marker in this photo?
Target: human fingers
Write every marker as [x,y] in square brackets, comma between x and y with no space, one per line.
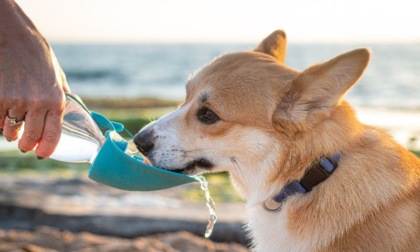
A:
[43,125]
[32,133]
[12,123]
[51,134]
[3,113]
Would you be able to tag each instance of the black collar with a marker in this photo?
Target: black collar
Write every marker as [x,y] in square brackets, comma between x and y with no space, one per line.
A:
[315,174]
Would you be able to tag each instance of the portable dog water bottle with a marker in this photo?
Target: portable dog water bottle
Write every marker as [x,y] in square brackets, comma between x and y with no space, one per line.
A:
[112,162]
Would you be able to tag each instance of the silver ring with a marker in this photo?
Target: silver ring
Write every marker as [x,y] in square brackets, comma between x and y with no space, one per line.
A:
[13,121]
[272,210]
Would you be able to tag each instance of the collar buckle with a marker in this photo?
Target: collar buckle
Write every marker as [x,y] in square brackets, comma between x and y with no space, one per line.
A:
[317,173]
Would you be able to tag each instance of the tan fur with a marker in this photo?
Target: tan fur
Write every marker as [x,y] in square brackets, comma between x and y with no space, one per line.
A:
[274,122]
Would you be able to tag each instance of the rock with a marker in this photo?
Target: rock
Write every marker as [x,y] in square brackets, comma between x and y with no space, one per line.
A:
[184,241]
[47,239]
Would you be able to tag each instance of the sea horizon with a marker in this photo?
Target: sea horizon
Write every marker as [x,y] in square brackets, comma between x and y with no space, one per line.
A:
[387,95]
[126,70]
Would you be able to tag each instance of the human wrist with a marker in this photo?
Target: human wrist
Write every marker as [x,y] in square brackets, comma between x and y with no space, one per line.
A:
[7,7]
[4,2]
[16,26]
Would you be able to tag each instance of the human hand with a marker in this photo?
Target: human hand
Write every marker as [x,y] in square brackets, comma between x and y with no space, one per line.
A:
[32,84]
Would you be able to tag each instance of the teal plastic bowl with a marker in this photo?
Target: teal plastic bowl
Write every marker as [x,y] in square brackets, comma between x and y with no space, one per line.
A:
[113,167]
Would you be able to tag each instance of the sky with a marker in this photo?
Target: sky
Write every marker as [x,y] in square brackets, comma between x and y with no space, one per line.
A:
[236,21]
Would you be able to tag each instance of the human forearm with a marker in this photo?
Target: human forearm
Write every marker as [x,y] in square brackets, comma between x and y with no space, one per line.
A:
[13,20]
[32,83]
[16,28]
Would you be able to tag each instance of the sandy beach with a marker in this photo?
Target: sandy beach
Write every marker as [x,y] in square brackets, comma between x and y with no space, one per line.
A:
[54,213]
[40,212]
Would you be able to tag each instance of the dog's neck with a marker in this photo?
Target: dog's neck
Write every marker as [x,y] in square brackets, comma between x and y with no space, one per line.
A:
[318,172]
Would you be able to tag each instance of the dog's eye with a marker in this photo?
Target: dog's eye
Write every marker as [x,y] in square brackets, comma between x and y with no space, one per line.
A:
[207,116]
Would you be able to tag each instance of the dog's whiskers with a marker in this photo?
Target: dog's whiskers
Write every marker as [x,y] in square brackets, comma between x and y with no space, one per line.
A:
[188,156]
[191,151]
[197,150]
[151,118]
[237,167]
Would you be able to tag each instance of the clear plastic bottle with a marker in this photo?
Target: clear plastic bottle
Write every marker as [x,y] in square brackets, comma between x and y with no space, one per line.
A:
[81,137]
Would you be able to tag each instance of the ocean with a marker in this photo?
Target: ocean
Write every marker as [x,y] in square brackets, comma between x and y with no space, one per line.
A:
[392,80]
[388,94]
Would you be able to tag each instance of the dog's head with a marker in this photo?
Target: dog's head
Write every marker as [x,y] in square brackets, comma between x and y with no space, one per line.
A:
[246,112]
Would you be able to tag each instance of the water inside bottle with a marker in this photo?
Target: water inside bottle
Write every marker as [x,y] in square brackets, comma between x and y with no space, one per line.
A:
[80,138]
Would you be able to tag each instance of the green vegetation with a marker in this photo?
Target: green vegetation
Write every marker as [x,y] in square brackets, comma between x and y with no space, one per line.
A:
[134,120]
[16,162]
[220,187]
[132,124]
[128,103]
[134,114]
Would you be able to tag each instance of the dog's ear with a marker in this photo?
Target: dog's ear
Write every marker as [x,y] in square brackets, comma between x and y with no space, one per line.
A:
[274,45]
[314,92]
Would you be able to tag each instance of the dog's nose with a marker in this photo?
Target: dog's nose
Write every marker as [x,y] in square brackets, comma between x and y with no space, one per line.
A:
[144,141]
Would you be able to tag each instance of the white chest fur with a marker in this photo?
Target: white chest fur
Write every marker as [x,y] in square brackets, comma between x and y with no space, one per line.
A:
[270,233]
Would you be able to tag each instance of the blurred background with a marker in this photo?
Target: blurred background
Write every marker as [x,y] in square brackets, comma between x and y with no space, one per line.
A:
[130,60]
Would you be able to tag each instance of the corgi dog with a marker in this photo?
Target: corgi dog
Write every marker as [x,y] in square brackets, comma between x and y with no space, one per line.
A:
[314,178]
